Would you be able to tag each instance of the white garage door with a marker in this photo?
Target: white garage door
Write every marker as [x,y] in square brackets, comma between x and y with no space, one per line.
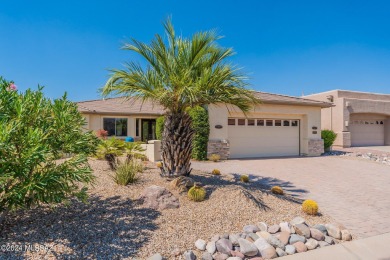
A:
[367,132]
[263,137]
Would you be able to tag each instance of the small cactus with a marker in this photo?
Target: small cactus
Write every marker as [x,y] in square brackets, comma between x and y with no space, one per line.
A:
[159,164]
[310,207]
[216,172]
[214,157]
[244,178]
[277,190]
[197,193]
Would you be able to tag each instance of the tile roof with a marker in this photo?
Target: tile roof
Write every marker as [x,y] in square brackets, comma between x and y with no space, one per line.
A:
[121,105]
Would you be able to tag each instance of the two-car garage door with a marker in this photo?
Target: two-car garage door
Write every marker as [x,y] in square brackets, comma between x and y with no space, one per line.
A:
[263,137]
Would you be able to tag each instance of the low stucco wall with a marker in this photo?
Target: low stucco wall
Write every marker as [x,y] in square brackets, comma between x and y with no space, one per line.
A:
[153,150]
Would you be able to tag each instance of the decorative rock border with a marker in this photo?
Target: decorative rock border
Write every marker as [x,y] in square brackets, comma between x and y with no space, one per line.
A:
[383,158]
[261,241]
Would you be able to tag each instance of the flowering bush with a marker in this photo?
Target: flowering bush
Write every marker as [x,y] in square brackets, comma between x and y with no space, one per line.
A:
[101,133]
[34,133]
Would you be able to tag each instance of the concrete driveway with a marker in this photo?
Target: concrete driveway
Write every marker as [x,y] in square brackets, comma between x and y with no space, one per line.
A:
[355,192]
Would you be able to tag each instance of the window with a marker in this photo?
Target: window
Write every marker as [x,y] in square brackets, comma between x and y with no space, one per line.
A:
[241,121]
[269,122]
[278,122]
[231,121]
[286,123]
[260,122]
[251,122]
[294,123]
[137,127]
[115,126]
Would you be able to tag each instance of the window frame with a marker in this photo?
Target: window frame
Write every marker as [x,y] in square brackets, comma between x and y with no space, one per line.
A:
[115,124]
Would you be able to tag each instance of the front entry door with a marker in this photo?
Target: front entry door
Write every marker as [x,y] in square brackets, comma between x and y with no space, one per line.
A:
[148,129]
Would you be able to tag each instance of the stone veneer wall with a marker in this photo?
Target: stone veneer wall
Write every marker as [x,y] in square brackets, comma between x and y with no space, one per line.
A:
[316,147]
[220,147]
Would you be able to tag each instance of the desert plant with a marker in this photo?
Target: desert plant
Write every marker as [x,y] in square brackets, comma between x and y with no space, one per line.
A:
[159,164]
[197,193]
[201,126]
[109,150]
[101,133]
[160,127]
[244,178]
[214,157]
[329,137]
[127,172]
[310,207]
[134,150]
[277,190]
[180,73]
[216,172]
[34,132]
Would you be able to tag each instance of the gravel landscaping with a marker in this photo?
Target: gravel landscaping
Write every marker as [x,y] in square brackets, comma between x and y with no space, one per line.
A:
[113,224]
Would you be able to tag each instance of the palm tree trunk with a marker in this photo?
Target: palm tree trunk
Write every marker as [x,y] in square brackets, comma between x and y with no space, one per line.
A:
[176,145]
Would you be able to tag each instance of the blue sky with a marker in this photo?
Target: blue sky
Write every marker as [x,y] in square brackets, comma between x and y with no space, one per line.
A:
[289,47]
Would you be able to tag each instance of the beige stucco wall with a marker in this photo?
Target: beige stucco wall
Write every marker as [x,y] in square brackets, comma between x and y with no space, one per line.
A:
[309,117]
[387,131]
[351,104]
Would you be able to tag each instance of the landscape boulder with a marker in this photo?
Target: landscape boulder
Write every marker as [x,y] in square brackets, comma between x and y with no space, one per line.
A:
[157,197]
[303,230]
[333,231]
[247,248]
[266,250]
[224,246]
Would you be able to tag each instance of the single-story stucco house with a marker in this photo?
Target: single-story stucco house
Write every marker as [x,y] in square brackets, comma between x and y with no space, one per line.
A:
[358,118]
[280,126]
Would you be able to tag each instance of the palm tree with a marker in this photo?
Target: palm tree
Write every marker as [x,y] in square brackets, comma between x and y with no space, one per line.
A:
[181,73]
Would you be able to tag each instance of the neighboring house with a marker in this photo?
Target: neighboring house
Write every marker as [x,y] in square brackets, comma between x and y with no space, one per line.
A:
[280,126]
[358,118]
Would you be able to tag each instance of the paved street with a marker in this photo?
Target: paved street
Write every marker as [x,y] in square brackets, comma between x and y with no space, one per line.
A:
[355,192]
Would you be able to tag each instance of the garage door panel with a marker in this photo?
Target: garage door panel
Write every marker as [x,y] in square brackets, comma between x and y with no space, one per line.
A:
[367,132]
[263,141]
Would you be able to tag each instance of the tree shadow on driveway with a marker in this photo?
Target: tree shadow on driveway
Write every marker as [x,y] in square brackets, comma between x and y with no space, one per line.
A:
[105,228]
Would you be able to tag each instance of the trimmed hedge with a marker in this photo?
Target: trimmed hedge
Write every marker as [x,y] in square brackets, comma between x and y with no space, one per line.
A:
[200,123]
[329,137]
[159,127]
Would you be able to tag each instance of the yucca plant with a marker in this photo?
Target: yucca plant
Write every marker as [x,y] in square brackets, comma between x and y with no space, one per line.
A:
[134,150]
[109,150]
[34,132]
[181,73]
[127,172]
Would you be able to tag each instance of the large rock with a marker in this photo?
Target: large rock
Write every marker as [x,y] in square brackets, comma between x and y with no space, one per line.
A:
[285,226]
[182,183]
[284,237]
[224,246]
[247,248]
[237,254]
[207,256]
[280,252]
[317,234]
[250,229]
[189,255]
[262,226]
[234,239]
[290,249]
[273,241]
[333,231]
[329,240]
[220,256]
[157,197]
[300,247]
[210,247]
[311,244]
[297,220]
[303,230]
[321,228]
[200,244]
[253,236]
[346,235]
[266,250]
[156,257]
[296,238]
[263,234]
[273,229]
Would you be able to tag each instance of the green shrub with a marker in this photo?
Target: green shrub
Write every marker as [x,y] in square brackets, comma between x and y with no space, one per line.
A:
[34,132]
[197,193]
[329,137]
[160,127]
[244,178]
[109,150]
[134,150]
[201,126]
[127,172]
[214,157]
